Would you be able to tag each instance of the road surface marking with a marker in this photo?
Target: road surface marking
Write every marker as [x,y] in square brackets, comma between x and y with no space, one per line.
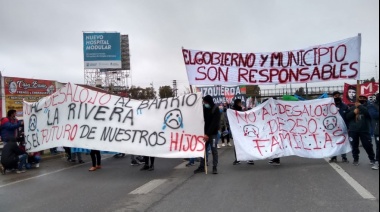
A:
[353,183]
[148,187]
[181,166]
[49,173]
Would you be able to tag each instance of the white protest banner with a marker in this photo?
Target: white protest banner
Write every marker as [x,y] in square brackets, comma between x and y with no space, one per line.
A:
[338,60]
[78,117]
[311,129]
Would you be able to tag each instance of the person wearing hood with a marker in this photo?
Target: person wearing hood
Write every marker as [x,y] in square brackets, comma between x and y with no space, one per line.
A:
[13,157]
[211,115]
[359,122]
[343,110]
[373,110]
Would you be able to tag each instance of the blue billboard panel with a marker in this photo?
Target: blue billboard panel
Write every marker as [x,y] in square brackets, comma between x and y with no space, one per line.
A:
[101,50]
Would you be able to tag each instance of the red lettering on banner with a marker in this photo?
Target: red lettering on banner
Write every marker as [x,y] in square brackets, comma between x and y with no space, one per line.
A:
[273,126]
[261,73]
[315,73]
[213,73]
[183,142]
[342,70]
[274,143]
[258,146]
[340,47]
[339,132]
[327,139]
[315,141]
[353,69]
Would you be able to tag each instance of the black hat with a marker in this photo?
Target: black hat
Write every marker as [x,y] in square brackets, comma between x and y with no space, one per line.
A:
[208,99]
[335,93]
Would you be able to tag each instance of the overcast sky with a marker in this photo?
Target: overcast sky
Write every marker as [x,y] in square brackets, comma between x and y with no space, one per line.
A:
[43,39]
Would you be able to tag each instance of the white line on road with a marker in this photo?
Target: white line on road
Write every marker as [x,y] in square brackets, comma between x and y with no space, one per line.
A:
[49,173]
[353,183]
[148,187]
[181,166]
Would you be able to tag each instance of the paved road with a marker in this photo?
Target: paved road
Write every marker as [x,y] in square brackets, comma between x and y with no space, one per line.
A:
[297,185]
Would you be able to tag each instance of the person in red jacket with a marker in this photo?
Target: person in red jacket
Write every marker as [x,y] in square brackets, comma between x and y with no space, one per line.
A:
[9,127]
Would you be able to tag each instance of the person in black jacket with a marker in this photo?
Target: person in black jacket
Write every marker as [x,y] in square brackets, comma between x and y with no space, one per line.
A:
[237,106]
[343,110]
[359,120]
[211,116]
[13,157]
[373,110]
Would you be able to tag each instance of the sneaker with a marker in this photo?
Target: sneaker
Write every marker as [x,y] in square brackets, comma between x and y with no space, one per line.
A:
[37,165]
[376,166]
[372,162]
[251,162]
[333,160]
[135,163]
[218,146]
[20,171]
[345,160]
[274,163]
[223,145]
[199,170]
[190,164]
[236,162]
[356,163]
[214,170]
[151,168]
[229,144]
[140,160]
[81,161]
[145,167]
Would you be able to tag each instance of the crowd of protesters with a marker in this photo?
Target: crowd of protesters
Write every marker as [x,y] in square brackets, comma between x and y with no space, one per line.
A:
[361,119]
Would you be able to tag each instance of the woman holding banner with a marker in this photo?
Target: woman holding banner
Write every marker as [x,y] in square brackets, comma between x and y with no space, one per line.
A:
[96,160]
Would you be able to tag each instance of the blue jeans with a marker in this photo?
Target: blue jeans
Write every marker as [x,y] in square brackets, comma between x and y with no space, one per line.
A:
[22,161]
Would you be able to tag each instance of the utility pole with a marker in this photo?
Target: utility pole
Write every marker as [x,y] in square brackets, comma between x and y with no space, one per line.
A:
[175,88]
[152,89]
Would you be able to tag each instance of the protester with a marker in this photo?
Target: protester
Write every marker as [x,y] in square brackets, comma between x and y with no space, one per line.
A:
[224,127]
[96,160]
[74,155]
[146,165]
[136,160]
[13,157]
[373,110]
[211,117]
[343,110]
[237,106]
[68,153]
[10,126]
[358,120]
[34,159]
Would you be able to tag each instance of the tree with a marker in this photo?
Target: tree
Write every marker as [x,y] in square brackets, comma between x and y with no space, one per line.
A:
[300,92]
[141,93]
[253,91]
[165,91]
[369,80]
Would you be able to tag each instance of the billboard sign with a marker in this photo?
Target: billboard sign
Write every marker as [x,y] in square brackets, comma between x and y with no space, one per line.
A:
[18,89]
[101,50]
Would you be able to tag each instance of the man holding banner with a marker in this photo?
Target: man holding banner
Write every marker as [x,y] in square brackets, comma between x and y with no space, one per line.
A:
[211,116]
[358,120]
[343,109]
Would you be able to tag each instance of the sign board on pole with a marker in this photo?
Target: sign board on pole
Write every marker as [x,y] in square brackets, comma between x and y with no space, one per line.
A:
[101,50]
